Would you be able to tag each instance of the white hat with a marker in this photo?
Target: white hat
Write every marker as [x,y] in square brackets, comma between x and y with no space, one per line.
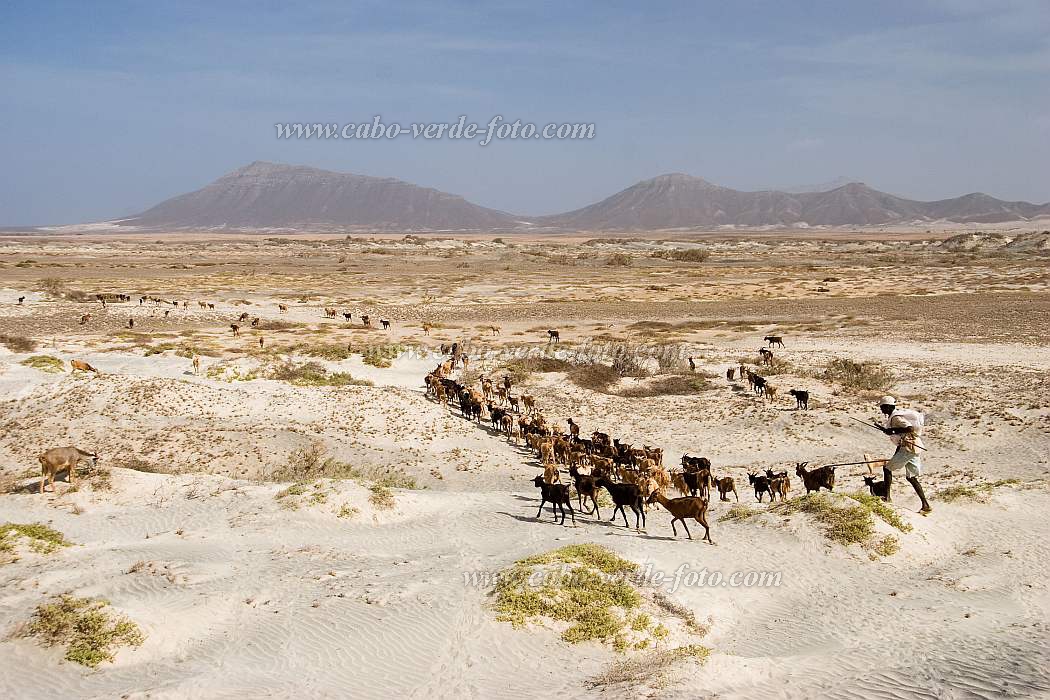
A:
[887,401]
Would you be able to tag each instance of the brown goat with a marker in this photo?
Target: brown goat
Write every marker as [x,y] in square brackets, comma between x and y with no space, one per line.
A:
[682,508]
[59,459]
[816,479]
[82,366]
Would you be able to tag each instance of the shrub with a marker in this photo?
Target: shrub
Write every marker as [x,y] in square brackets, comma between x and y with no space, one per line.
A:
[381,497]
[45,363]
[89,631]
[42,539]
[16,343]
[381,355]
[674,385]
[619,260]
[312,374]
[866,376]
[845,524]
[693,255]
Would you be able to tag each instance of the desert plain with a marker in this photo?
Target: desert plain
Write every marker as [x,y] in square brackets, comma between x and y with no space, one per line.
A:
[297,518]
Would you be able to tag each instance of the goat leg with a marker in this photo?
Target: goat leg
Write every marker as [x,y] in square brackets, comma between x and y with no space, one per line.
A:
[888,476]
[540,511]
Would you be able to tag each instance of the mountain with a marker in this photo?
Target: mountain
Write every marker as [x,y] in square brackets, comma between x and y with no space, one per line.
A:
[821,187]
[271,195]
[683,201]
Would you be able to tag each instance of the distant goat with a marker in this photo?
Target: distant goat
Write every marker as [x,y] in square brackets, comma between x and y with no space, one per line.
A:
[774,340]
[801,399]
[553,337]
[82,366]
[724,486]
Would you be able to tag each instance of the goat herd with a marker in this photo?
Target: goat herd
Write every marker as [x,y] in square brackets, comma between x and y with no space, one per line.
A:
[634,477]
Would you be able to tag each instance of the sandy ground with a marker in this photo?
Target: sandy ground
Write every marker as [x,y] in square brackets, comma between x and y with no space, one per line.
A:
[240,594]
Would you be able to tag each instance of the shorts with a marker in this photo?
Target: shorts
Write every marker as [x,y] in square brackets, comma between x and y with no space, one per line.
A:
[909,460]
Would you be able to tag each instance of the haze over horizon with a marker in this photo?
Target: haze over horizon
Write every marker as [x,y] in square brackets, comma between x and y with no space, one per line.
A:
[109,110]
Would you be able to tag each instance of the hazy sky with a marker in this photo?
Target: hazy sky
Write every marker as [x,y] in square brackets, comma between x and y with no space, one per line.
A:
[107,108]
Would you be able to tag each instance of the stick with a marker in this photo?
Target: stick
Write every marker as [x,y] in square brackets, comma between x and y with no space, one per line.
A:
[872,425]
[855,464]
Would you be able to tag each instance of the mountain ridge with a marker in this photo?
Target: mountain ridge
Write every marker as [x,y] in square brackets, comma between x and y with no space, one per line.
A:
[274,195]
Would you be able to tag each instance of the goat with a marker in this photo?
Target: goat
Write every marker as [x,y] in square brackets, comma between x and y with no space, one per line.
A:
[586,486]
[557,495]
[801,399]
[82,366]
[553,337]
[771,392]
[131,323]
[62,459]
[283,308]
[528,402]
[243,317]
[196,364]
[730,372]
[725,485]
[21,300]
[426,328]
[767,356]
[236,329]
[877,488]
[761,484]
[85,318]
[774,340]
[385,324]
[815,479]
[624,495]
[779,486]
[682,508]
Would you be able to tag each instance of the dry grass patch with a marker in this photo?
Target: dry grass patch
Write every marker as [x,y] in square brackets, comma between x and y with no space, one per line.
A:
[311,374]
[90,631]
[862,376]
[589,594]
[41,538]
[16,343]
[45,363]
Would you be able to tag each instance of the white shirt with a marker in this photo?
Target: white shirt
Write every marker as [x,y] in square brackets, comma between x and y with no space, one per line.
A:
[907,417]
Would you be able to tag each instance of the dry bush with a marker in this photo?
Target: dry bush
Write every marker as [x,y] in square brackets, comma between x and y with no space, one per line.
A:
[674,385]
[694,255]
[619,260]
[16,343]
[594,376]
[864,376]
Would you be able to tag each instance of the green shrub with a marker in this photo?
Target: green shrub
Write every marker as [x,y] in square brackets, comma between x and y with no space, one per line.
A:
[90,632]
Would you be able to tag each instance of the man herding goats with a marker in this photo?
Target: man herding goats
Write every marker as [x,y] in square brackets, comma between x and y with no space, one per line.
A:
[905,427]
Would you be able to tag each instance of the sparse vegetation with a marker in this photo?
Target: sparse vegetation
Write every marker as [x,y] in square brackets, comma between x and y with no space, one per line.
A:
[381,498]
[311,374]
[17,343]
[619,260]
[863,376]
[41,538]
[845,523]
[736,512]
[655,668]
[881,509]
[976,492]
[693,255]
[45,363]
[90,631]
[381,355]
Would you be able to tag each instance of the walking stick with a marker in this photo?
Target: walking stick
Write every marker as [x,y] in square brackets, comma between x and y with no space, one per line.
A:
[872,425]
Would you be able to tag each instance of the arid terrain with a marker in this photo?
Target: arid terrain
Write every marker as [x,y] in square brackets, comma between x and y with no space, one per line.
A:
[298,518]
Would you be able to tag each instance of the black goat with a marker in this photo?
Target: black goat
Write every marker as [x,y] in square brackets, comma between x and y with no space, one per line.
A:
[877,488]
[801,399]
[761,484]
[586,486]
[625,495]
[557,495]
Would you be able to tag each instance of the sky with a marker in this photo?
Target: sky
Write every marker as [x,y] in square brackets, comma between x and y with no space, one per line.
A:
[108,108]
